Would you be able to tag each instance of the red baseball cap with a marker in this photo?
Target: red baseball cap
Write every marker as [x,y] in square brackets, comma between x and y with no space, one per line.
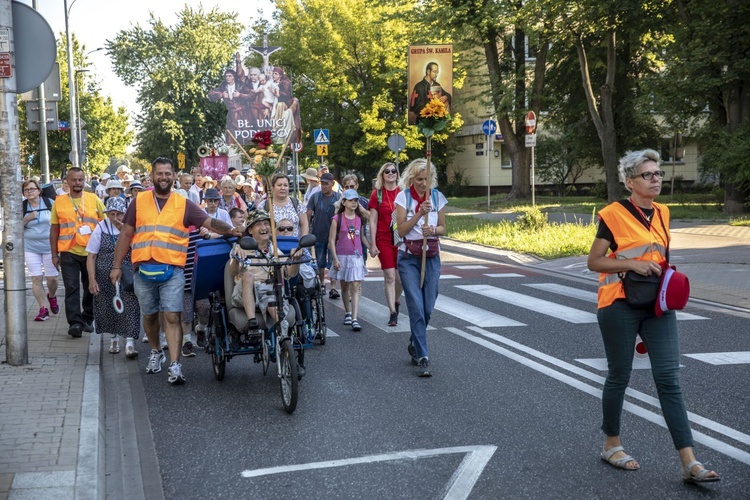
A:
[674,291]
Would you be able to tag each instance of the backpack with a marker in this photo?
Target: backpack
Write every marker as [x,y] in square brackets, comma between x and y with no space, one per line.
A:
[46,201]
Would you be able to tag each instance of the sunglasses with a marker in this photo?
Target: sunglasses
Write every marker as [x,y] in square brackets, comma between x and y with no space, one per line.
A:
[350,186]
[390,171]
[285,229]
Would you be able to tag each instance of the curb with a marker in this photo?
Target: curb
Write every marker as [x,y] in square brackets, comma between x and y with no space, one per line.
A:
[90,474]
[487,252]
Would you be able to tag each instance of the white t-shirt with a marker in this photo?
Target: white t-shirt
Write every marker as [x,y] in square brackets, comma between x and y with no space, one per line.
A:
[432,218]
[222,215]
[101,190]
[104,229]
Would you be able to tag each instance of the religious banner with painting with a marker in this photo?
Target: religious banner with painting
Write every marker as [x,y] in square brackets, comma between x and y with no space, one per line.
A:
[215,166]
[430,76]
[258,99]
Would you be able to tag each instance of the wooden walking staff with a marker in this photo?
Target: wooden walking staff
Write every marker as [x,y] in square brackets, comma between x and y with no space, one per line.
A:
[425,222]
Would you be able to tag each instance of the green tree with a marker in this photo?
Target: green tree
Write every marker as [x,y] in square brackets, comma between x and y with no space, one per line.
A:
[174,68]
[505,33]
[708,67]
[348,63]
[616,44]
[107,128]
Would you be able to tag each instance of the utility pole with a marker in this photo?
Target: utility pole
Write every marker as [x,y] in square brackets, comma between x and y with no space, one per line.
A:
[17,350]
[43,149]
[74,153]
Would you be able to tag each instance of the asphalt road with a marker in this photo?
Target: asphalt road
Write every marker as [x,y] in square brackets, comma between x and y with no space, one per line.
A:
[512,411]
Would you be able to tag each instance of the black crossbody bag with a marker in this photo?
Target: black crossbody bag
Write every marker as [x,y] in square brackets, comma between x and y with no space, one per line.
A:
[641,291]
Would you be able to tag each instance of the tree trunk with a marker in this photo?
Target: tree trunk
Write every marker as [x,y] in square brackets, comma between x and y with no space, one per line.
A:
[603,119]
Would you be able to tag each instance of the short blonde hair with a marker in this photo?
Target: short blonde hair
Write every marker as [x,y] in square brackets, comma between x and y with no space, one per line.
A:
[413,169]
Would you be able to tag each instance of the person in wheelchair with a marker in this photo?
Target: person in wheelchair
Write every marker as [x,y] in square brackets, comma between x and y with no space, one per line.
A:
[253,285]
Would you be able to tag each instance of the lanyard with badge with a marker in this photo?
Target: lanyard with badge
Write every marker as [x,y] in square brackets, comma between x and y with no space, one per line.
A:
[80,211]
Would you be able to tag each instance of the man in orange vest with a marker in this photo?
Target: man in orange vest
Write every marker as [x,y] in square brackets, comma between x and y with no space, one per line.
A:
[157,224]
[73,218]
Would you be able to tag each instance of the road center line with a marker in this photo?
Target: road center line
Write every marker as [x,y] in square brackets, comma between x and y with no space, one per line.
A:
[720,446]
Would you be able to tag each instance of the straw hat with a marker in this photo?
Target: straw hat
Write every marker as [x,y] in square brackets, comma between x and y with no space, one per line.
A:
[208,180]
[311,174]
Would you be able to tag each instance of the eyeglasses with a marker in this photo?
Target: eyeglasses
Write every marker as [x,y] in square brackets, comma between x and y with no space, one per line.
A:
[390,171]
[211,201]
[350,186]
[29,190]
[285,229]
[649,175]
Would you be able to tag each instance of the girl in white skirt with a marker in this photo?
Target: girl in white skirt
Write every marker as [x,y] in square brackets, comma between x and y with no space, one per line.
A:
[345,242]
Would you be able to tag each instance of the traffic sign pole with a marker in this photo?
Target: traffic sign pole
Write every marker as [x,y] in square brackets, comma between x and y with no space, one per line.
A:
[489,127]
[531,142]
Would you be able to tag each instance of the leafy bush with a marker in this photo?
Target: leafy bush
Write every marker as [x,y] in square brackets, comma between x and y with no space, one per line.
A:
[458,186]
[532,219]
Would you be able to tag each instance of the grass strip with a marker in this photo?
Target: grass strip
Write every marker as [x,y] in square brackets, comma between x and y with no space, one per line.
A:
[551,241]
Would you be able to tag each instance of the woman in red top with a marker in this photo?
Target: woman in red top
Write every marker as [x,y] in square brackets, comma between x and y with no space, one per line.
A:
[381,209]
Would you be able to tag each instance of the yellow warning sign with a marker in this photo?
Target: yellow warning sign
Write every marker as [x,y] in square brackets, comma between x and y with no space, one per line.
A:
[322,149]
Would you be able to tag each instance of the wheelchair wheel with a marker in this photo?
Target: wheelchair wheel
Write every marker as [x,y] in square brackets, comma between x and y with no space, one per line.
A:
[218,359]
[320,318]
[220,365]
[288,376]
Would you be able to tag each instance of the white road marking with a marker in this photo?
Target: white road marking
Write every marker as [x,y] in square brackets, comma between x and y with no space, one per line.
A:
[722,358]
[442,277]
[601,363]
[577,293]
[470,266]
[540,306]
[471,314]
[458,487]
[330,333]
[719,446]
[504,275]
[378,314]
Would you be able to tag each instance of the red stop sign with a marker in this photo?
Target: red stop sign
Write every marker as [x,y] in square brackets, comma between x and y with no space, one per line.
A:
[530,122]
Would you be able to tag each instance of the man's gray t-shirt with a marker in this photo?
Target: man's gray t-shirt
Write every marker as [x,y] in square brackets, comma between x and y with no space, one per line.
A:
[323,211]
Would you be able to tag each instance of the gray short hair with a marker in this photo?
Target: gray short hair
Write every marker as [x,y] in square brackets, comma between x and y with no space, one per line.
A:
[632,161]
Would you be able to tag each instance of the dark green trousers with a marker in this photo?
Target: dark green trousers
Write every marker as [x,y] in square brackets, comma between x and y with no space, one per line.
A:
[619,325]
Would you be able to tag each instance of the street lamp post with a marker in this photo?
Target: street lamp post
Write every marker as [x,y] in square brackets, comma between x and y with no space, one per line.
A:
[77,124]
[74,158]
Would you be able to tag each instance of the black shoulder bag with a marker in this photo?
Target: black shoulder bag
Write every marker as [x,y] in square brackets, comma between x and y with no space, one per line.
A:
[641,291]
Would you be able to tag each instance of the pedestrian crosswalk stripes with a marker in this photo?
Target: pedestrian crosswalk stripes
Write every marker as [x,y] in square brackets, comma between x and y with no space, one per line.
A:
[470,266]
[442,277]
[541,306]
[722,358]
[504,275]
[377,315]
[471,314]
[577,293]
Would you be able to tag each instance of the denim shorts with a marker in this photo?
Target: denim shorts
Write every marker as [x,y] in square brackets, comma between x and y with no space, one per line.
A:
[160,297]
[323,255]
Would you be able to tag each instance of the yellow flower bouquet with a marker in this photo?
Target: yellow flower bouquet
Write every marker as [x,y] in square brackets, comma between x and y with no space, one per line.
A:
[434,117]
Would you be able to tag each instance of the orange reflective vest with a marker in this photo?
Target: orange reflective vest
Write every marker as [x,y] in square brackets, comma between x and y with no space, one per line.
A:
[72,219]
[160,235]
[634,241]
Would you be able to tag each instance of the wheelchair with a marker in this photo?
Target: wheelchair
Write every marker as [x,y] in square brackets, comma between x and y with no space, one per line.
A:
[300,315]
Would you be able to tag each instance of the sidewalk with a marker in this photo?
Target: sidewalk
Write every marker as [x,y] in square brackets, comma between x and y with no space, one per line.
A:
[50,434]
[51,410]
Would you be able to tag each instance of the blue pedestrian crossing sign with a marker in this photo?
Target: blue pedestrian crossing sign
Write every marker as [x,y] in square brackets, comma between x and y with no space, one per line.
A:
[489,127]
[322,136]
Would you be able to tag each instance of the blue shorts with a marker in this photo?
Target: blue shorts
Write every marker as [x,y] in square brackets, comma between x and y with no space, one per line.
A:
[160,297]
[323,256]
